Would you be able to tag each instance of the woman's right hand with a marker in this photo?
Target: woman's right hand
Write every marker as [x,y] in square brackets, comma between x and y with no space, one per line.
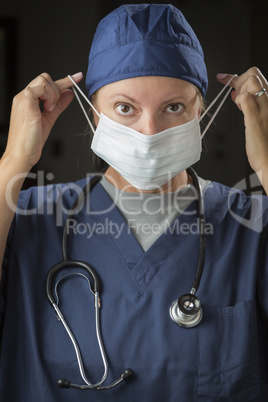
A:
[29,126]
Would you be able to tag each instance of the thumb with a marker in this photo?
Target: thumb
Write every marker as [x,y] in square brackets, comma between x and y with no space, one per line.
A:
[224,78]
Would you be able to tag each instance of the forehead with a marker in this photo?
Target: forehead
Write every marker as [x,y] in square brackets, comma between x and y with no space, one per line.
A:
[150,87]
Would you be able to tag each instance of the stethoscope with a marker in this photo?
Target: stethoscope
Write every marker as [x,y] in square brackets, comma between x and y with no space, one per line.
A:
[186,311]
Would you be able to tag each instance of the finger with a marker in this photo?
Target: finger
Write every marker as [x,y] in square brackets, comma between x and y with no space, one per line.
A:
[258,73]
[61,85]
[252,86]
[32,97]
[224,78]
[247,104]
[51,90]
[238,81]
[65,83]
[64,101]
[39,79]
[65,98]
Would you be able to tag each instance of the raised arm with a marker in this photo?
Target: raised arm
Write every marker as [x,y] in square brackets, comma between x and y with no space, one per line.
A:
[251,96]
[29,130]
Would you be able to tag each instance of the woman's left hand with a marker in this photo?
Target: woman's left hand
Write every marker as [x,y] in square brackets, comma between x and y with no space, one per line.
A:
[255,110]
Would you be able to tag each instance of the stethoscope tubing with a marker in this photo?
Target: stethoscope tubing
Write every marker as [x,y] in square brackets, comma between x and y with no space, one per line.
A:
[63,265]
[202,237]
[77,349]
[175,312]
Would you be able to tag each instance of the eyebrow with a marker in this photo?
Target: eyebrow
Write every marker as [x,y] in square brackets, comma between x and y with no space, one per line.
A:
[176,98]
[125,96]
[171,100]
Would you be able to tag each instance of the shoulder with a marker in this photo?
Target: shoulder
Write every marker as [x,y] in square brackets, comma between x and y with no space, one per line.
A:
[41,205]
[219,193]
[223,203]
[35,198]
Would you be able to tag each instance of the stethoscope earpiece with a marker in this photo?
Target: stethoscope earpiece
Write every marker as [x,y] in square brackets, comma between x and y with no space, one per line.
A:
[186,311]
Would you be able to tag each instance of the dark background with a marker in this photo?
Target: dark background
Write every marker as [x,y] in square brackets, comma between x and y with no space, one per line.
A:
[55,37]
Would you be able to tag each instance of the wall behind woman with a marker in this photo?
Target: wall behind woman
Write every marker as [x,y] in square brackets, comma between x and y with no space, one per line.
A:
[56,38]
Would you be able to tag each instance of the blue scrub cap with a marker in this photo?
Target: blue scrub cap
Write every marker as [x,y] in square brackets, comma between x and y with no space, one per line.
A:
[145,40]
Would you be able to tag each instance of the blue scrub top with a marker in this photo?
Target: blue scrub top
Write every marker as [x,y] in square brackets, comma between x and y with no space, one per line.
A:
[224,358]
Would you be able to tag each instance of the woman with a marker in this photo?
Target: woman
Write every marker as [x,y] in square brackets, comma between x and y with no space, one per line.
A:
[138,230]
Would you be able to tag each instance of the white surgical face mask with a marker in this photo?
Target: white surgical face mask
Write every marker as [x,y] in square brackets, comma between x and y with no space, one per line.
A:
[148,162]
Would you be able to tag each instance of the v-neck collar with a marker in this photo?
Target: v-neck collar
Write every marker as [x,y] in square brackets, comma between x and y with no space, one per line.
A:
[143,266]
[122,237]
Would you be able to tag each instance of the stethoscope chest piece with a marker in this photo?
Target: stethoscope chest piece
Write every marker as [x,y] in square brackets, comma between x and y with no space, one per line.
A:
[186,311]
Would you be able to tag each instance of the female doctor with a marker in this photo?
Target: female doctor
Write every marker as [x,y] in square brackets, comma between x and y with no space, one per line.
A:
[136,229]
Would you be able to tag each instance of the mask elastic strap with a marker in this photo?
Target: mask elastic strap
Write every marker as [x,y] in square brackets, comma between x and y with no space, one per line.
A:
[220,105]
[81,104]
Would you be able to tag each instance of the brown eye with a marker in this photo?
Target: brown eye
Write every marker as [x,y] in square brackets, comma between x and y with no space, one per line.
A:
[174,108]
[123,108]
